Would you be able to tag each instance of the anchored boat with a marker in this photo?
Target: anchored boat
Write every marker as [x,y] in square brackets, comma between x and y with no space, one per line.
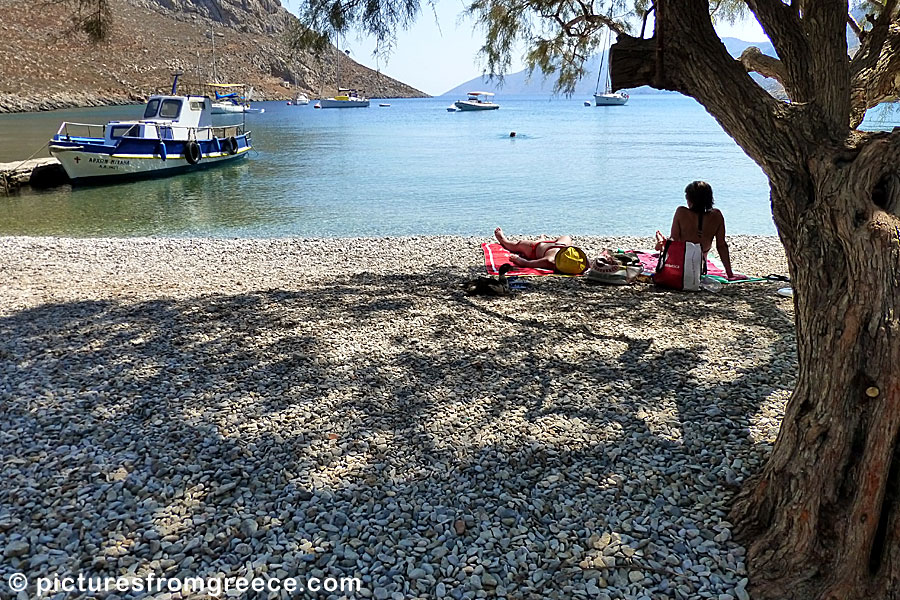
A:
[608,97]
[174,135]
[477,101]
[346,98]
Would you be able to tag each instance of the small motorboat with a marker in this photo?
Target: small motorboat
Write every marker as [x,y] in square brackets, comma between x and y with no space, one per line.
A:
[477,101]
[452,108]
[174,135]
[384,104]
[298,100]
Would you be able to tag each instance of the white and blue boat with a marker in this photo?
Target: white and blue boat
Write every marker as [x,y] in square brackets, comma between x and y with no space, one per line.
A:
[175,135]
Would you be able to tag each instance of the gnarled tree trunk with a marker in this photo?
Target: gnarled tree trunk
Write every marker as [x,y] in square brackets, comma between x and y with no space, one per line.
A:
[822,520]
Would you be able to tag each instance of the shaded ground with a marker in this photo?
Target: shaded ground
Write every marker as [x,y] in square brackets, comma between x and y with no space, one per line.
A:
[572,441]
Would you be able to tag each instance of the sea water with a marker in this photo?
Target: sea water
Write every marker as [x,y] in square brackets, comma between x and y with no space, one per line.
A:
[414,168]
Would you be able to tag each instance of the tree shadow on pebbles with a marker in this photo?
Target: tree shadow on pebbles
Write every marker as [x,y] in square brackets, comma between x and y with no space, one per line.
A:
[569,438]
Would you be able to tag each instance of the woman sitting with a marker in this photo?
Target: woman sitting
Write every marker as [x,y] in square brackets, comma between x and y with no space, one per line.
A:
[700,223]
[534,254]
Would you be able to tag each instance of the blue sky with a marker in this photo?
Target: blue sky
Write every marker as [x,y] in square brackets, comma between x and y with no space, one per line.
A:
[440,51]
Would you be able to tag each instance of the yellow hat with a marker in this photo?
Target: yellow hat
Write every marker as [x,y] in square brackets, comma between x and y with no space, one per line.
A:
[571,260]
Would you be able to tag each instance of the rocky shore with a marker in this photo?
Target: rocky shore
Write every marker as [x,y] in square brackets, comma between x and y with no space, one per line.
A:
[46,65]
[339,408]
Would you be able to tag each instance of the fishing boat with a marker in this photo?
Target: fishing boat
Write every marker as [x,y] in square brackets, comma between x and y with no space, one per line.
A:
[607,97]
[174,135]
[477,101]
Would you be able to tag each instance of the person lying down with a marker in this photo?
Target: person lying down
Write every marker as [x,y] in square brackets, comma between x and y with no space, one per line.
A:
[544,253]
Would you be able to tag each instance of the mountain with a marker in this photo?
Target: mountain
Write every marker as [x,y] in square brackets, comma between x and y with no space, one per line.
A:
[44,65]
[519,84]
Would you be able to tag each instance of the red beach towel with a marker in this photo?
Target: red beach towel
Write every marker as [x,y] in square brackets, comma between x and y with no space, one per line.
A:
[496,256]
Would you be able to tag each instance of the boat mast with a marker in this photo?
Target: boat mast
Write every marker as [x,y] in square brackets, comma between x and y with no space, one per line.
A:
[603,53]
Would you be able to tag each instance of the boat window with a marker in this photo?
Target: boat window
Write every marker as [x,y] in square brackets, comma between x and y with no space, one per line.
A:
[151,109]
[119,131]
[196,105]
[170,109]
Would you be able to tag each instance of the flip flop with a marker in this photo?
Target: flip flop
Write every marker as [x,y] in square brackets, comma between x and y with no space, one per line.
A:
[773,277]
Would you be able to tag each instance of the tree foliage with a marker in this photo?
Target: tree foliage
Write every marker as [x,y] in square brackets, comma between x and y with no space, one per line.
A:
[92,17]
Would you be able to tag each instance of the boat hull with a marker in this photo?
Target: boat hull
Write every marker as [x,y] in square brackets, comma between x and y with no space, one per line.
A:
[610,99]
[352,103]
[89,164]
[226,109]
[470,106]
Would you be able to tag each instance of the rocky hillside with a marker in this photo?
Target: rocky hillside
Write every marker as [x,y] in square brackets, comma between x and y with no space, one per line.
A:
[44,65]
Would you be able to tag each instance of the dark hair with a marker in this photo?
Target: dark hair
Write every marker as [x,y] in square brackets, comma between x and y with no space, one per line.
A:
[700,196]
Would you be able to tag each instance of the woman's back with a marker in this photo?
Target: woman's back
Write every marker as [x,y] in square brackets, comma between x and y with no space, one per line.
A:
[686,226]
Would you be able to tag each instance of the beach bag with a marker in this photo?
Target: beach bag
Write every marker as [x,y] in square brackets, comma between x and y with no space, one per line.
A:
[680,266]
[571,260]
[614,268]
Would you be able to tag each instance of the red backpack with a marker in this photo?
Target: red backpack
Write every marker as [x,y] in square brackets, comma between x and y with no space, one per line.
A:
[680,266]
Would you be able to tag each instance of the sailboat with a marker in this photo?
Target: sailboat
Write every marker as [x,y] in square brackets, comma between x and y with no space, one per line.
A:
[346,97]
[608,97]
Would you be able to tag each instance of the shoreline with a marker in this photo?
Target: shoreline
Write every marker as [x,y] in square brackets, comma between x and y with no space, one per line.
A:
[337,407]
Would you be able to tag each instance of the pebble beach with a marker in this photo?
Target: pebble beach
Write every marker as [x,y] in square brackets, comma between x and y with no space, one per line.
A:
[340,408]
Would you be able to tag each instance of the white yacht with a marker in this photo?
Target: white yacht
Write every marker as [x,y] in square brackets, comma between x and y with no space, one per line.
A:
[346,98]
[607,97]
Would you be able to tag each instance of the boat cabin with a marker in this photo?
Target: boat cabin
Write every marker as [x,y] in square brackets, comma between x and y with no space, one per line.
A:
[480,97]
[167,118]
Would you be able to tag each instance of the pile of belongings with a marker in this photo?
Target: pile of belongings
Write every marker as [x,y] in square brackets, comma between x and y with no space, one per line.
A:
[615,267]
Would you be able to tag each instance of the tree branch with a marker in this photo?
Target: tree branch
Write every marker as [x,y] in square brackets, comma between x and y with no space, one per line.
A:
[825,27]
[870,47]
[854,26]
[874,78]
[781,24]
[591,19]
[768,66]
[699,67]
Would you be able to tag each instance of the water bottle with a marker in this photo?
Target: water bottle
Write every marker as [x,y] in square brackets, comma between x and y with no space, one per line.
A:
[710,285]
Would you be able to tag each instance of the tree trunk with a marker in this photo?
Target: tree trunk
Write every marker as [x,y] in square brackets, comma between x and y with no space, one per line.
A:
[823,518]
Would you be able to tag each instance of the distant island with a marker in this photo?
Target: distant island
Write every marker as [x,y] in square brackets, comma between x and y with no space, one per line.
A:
[520,84]
[44,65]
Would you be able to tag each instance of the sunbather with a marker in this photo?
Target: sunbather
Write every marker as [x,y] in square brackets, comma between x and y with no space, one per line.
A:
[700,223]
[535,254]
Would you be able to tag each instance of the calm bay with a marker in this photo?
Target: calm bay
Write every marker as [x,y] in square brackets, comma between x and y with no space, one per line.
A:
[415,169]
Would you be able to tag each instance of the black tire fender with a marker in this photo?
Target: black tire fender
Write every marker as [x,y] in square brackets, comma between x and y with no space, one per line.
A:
[192,152]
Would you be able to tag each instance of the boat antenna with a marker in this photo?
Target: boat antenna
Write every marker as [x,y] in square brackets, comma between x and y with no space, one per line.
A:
[175,74]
